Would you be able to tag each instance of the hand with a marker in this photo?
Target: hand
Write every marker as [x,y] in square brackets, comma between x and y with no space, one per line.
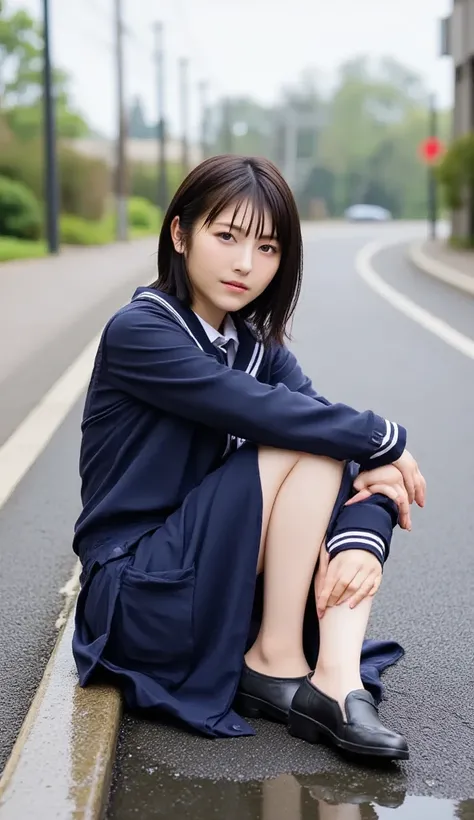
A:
[350,577]
[387,481]
[414,482]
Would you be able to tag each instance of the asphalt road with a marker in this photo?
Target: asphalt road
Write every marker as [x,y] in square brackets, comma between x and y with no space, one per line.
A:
[358,349]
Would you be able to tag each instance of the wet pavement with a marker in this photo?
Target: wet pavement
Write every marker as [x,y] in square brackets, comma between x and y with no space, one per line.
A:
[163,775]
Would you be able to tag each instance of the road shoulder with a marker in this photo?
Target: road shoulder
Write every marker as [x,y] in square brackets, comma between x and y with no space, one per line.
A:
[62,761]
[455,268]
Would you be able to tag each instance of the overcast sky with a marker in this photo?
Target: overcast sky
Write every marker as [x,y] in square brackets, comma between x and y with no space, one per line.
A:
[239,46]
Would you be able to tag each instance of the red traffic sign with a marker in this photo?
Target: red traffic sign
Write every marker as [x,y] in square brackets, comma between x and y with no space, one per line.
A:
[431,149]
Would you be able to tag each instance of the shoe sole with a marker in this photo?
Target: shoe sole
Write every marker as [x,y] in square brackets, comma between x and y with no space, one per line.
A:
[251,707]
[306,728]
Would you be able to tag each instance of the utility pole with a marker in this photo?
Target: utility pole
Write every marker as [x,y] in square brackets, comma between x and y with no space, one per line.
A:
[183,77]
[162,192]
[432,183]
[121,169]
[227,126]
[203,90]
[50,156]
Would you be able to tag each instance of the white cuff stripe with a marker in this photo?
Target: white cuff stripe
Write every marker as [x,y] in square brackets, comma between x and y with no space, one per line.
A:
[357,534]
[366,541]
[393,436]
[388,431]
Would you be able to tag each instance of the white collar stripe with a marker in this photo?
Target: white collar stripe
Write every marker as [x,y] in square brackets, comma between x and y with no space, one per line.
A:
[256,361]
[154,297]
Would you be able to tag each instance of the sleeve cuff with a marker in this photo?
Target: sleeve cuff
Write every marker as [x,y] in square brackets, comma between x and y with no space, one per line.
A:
[357,539]
[391,439]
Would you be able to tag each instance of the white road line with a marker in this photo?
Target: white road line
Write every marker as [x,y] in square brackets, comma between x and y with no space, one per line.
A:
[31,437]
[365,269]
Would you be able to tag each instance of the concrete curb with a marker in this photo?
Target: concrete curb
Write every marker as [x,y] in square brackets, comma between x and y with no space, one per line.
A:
[439,270]
[61,764]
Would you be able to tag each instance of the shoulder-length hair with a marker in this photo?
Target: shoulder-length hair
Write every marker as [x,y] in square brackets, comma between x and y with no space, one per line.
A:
[221,182]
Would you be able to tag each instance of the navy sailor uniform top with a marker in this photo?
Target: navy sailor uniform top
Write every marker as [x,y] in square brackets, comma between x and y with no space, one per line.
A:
[161,407]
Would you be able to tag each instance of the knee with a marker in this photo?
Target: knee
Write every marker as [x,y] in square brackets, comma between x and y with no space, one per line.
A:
[294,457]
[308,464]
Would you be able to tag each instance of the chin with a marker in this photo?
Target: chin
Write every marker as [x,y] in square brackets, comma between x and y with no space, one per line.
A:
[233,302]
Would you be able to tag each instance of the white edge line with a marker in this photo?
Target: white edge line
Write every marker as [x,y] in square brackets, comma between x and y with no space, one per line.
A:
[439,270]
[363,263]
[27,442]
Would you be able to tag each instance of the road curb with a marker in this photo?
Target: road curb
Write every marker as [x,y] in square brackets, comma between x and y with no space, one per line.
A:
[439,270]
[61,764]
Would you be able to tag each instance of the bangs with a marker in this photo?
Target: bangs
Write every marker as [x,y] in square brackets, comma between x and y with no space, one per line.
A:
[254,203]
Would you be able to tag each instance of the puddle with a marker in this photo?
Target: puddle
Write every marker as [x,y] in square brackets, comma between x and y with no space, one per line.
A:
[156,793]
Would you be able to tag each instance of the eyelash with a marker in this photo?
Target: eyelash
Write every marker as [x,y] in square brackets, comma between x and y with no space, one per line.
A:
[222,234]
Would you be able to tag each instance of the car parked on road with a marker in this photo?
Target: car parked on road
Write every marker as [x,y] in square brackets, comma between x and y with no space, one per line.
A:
[367,213]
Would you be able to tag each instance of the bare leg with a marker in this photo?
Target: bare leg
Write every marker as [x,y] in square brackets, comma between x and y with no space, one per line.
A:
[299,493]
[341,634]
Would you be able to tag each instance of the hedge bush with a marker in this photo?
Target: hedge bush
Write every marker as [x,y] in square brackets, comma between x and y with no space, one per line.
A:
[77,231]
[141,213]
[456,173]
[84,183]
[20,211]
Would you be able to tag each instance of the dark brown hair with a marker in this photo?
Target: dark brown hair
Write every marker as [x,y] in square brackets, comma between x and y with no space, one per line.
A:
[211,187]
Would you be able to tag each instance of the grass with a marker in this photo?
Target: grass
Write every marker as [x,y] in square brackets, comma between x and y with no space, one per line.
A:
[76,232]
[462,243]
[11,248]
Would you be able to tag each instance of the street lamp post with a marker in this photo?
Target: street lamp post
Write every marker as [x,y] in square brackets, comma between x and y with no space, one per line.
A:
[50,157]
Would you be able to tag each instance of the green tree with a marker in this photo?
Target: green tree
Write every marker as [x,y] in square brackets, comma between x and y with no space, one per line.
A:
[21,80]
[376,119]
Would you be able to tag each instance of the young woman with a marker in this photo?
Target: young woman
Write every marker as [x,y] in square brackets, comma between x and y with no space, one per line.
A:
[215,482]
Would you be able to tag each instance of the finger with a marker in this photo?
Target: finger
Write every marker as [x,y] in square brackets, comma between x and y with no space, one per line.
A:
[385,489]
[404,521]
[326,589]
[383,475]
[345,585]
[376,586]
[352,588]
[409,482]
[404,516]
[363,592]
[320,581]
[361,496]
[326,595]
[338,590]
[420,490]
[321,573]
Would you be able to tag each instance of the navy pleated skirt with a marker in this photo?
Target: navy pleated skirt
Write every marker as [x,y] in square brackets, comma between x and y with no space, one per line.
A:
[169,618]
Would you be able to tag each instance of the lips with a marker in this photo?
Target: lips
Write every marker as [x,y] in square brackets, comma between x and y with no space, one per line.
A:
[236,286]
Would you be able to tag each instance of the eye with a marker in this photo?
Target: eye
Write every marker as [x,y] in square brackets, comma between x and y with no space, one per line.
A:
[269,249]
[225,236]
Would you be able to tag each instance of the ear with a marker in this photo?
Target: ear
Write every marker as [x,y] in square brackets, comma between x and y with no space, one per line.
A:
[176,235]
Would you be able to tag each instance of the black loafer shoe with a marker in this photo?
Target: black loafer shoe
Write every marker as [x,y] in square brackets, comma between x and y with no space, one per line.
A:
[266,697]
[315,717]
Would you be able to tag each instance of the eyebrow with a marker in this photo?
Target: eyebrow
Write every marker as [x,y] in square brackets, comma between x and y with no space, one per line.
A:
[239,230]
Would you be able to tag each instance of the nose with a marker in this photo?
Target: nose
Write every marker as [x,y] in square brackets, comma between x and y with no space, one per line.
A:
[243,259]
